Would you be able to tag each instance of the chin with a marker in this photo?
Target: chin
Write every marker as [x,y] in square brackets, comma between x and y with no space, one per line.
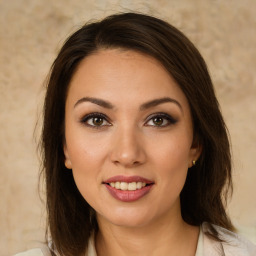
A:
[129,218]
[130,223]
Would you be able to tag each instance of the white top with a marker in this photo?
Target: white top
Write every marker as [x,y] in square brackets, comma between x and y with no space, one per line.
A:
[234,245]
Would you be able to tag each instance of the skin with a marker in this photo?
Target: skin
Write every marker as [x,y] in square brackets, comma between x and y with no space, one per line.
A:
[129,141]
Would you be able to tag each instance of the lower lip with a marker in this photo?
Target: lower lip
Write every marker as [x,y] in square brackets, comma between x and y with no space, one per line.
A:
[128,195]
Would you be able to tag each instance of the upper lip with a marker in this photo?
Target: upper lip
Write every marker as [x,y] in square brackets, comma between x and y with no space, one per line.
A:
[128,179]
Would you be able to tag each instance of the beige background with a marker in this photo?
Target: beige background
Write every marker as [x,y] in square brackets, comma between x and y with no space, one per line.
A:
[32,31]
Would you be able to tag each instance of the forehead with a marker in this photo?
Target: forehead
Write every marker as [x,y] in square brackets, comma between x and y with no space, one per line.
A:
[118,62]
[125,75]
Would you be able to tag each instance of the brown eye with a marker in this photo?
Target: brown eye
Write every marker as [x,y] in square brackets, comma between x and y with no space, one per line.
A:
[97,121]
[158,121]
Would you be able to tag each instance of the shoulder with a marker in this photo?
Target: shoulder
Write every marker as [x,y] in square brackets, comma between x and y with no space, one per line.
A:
[35,252]
[232,244]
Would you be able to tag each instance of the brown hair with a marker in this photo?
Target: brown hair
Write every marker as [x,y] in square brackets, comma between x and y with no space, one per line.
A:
[71,220]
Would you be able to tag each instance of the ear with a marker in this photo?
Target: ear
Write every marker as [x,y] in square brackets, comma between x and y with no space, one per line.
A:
[195,152]
[67,163]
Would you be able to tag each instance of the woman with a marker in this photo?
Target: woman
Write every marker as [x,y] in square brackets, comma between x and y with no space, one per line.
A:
[135,151]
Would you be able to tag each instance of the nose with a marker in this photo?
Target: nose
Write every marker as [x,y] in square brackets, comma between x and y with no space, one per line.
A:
[127,148]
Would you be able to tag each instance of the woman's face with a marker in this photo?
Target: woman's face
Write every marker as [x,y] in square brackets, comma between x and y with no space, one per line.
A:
[129,137]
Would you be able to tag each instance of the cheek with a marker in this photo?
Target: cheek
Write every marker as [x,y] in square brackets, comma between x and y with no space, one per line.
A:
[87,160]
[171,161]
[172,173]
[87,156]
[172,151]
[86,167]
[173,167]
[85,148]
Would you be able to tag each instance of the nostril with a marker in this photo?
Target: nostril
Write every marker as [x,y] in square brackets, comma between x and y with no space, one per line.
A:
[126,155]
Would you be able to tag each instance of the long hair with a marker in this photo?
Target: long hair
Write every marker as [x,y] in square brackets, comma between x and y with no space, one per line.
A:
[71,221]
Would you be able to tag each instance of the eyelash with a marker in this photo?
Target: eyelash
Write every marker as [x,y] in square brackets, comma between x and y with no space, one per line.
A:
[92,116]
[167,120]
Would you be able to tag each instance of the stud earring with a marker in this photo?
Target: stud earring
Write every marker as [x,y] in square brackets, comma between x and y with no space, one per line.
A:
[194,162]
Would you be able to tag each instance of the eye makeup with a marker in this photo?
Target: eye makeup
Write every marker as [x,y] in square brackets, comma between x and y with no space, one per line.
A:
[95,120]
[160,119]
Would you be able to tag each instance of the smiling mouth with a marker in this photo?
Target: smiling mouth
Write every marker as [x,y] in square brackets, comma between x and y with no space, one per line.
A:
[127,186]
[128,189]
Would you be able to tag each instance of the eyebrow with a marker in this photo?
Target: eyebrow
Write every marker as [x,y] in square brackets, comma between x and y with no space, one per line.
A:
[144,106]
[100,102]
[157,102]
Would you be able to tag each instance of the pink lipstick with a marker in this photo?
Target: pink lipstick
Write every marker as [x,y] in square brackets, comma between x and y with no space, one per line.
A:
[128,188]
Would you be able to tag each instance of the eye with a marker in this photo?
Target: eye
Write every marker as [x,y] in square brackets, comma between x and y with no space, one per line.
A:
[95,120]
[160,120]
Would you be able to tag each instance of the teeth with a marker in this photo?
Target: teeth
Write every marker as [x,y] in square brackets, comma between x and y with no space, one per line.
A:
[132,186]
[123,186]
[127,186]
[117,185]
[139,185]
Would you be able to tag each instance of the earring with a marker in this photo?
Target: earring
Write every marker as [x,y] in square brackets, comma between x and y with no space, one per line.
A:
[194,162]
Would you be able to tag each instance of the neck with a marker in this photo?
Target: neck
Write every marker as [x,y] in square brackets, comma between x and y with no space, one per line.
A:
[161,238]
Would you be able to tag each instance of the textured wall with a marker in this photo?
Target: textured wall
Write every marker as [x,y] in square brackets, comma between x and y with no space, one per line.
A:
[31,34]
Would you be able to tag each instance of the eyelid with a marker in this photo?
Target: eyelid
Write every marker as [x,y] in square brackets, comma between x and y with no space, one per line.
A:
[86,117]
[166,116]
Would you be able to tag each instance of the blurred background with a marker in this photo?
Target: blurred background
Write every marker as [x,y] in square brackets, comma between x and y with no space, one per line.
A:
[32,32]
